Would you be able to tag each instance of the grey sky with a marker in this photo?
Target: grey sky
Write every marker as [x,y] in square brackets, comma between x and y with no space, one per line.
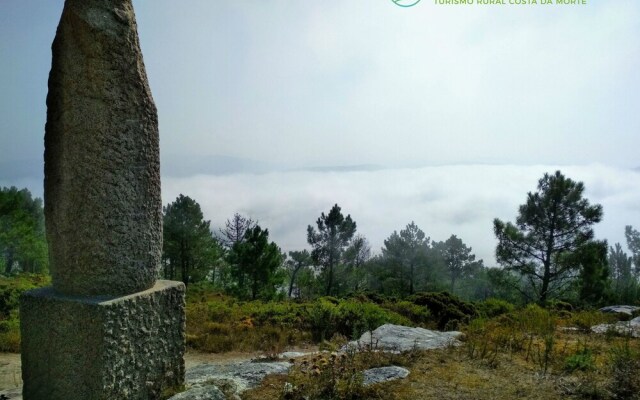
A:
[265,85]
[361,82]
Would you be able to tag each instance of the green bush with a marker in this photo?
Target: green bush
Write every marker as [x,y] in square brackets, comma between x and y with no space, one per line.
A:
[353,318]
[559,305]
[624,365]
[350,318]
[494,307]
[11,288]
[584,320]
[448,310]
[418,315]
[321,318]
[284,314]
[582,360]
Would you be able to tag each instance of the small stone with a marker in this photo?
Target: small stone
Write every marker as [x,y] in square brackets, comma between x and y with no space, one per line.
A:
[623,328]
[200,393]
[384,374]
[620,309]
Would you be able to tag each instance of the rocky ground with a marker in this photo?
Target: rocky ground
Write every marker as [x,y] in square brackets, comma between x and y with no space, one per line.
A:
[237,372]
[11,382]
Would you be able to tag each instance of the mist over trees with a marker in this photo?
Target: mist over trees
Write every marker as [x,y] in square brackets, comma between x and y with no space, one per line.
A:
[549,253]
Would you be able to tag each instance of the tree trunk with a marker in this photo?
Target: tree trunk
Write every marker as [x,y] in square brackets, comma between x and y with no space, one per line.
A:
[9,260]
[329,281]
[411,289]
[293,279]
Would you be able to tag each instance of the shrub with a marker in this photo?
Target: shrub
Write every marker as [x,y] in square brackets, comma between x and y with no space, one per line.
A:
[584,320]
[11,289]
[448,310]
[494,307]
[353,318]
[582,360]
[625,371]
[418,315]
[321,318]
[558,305]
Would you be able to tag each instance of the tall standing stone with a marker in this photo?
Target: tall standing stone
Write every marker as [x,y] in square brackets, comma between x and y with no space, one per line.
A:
[102,168]
[106,329]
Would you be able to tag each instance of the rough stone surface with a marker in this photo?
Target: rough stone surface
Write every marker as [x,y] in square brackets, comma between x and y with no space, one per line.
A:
[102,171]
[98,348]
[200,393]
[628,310]
[631,328]
[399,338]
[384,374]
[237,377]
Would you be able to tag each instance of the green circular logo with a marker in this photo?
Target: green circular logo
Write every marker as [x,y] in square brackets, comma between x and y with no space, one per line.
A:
[406,3]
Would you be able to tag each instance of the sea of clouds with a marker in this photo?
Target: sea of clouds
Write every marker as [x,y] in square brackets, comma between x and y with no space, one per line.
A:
[443,200]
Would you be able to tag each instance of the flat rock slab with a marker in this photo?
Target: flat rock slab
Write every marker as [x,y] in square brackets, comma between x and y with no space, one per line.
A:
[400,338]
[384,374]
[631,328]
[200,393]
[628,310]
[238,377]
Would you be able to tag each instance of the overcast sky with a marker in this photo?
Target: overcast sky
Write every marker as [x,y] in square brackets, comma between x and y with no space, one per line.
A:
[275,86]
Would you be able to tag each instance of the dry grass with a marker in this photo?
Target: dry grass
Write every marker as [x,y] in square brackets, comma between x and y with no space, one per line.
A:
[527,354]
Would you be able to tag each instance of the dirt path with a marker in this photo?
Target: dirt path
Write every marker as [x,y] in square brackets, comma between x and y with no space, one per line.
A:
[10,374]
[10,371]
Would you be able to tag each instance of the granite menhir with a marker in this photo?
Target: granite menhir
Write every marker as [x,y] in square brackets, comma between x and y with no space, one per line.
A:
[106,329]
[102,171]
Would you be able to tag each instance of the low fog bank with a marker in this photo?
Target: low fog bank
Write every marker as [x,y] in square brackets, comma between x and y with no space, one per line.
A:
[443,200]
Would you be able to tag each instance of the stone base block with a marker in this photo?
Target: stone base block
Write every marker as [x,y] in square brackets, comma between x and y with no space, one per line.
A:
[97,348]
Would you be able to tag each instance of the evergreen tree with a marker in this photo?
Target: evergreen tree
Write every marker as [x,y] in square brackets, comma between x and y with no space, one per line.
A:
[624,281]
[190,252]
[256,263]
[329,242]
[298,261]
[405,255]
[633,243]
[555,222]
[458,260]
[591,260]
[355,259]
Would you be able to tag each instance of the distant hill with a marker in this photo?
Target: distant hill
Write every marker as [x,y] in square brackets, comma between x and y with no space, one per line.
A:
[181,166]
[176,166]
[345,168]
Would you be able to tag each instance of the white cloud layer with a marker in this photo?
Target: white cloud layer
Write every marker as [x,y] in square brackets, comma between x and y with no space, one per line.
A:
[445,200]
